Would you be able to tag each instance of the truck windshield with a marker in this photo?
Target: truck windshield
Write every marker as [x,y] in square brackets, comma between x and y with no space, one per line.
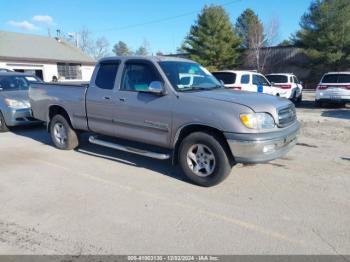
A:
[187,76]
[16,83]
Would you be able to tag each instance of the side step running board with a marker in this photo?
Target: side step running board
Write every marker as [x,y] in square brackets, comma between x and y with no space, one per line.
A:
[94,140]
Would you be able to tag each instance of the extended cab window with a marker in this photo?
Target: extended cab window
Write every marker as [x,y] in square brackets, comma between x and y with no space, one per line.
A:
[138,76]
[106,75]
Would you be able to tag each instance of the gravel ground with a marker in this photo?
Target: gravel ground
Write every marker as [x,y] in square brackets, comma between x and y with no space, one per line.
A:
[99,201]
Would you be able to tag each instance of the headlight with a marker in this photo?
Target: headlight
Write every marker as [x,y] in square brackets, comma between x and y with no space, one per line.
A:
[17,104]
[258,121]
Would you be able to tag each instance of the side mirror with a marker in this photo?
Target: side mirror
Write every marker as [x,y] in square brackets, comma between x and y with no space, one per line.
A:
[156,87]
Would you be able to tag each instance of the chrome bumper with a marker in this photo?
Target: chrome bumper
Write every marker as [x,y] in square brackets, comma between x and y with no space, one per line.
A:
[264,147]
[19,117]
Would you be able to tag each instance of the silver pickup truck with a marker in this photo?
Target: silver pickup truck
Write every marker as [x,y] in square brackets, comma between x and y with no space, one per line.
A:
[165,107]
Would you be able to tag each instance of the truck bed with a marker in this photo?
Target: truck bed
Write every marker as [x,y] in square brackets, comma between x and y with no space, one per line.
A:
[46,96]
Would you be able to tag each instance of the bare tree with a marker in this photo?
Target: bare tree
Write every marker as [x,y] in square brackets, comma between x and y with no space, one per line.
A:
[101,48]
[86,42]
[144,49]
[260,41]
[270,38]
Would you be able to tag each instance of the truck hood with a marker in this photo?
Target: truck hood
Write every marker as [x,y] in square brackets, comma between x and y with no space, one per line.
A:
[256,101]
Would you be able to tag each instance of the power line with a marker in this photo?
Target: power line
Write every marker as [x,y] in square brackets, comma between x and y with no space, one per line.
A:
[162,19]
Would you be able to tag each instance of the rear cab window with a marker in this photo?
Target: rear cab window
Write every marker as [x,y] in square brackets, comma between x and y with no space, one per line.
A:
[106,75]
[226,77]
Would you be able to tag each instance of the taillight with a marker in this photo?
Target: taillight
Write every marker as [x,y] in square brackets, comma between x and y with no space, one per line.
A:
[347,87]
[322,87]
[285,86]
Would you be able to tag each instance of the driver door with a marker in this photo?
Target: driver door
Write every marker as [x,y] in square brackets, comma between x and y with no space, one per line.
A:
[140,115]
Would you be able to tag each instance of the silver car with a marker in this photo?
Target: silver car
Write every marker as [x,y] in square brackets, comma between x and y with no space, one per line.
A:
[15,108]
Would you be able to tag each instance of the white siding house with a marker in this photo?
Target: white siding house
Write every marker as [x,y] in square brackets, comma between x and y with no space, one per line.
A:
[44,56]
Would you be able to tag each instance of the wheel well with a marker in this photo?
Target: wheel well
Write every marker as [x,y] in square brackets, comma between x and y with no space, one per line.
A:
[58,110]
[201,128]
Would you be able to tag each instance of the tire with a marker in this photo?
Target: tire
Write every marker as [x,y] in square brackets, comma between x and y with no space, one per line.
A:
[318,103]
[63,135]
[3,126]
[214,157]
[299,99]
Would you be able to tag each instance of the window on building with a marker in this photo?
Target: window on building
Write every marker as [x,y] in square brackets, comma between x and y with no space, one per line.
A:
[69,71]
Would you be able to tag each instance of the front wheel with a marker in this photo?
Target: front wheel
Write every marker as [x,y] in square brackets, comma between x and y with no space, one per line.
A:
[3,126]
[203,159]
[62,134]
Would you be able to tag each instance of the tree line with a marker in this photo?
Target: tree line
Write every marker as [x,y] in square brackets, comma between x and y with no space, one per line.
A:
[214,41]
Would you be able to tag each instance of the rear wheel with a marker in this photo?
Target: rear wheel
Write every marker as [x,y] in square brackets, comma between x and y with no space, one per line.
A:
[203,159]
[62,134]
[3,126]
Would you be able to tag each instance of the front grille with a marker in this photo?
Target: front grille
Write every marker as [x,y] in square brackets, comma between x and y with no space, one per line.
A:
[286,115]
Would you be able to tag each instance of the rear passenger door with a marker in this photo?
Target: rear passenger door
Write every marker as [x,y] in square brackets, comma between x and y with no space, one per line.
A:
[140,115]
[101,99]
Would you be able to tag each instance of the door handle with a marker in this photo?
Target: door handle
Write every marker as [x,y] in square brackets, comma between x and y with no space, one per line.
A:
[106,97]
[122,99]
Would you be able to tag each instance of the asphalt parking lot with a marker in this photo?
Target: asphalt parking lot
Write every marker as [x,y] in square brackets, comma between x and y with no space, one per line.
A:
[100,201]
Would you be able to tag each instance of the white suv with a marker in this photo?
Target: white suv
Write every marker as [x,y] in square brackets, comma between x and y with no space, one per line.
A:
[245,81]
[334,88]
[288,86]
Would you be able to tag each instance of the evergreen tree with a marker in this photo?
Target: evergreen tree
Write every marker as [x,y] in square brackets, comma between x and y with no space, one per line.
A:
[325,34]
[212,40]
[121,49]
[249,26]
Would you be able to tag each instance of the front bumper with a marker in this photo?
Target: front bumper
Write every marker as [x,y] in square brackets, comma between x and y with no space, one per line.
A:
[263,147]
[19,117]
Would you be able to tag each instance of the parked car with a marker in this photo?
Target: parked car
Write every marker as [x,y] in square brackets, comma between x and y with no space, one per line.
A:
[246,81]
[144,102]
[288,86]
[5,70]
[14,101]
[334,87]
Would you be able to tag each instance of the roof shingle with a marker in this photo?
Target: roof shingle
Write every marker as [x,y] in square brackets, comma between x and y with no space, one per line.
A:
[35,48]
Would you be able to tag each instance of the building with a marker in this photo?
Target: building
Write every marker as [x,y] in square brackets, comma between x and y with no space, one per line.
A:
[44,56]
